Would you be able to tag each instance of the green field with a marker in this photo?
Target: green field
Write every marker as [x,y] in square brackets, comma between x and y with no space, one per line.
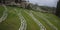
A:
[1,10]
[13,22]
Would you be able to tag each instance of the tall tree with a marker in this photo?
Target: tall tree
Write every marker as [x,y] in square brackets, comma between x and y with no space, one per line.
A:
[58,9]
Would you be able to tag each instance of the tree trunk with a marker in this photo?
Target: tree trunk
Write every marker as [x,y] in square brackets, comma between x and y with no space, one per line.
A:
[58,9]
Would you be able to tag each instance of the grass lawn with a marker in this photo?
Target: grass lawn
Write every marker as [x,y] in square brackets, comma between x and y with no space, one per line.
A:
[1,10]
[12,22]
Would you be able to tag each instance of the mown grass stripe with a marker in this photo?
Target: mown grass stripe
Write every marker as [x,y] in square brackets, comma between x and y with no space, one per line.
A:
[31,25]
[39,23]
[46,20]
[52,18]
[23,21]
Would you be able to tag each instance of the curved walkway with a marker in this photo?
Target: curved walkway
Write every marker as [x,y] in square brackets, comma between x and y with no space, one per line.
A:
[5,14]
[42,27]
[23,25]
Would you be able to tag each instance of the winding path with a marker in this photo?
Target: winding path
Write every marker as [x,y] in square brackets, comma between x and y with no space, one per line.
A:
[46,20]
[23,25]
[5,14]
[38,22]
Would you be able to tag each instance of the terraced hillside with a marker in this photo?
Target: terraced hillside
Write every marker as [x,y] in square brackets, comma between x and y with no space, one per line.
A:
[24,19]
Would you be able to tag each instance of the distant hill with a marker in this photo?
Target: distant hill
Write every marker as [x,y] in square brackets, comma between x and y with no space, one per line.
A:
[49,9]
[46,7]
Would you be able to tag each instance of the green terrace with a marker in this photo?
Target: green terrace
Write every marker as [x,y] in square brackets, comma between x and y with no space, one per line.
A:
[12,22]
[1,10]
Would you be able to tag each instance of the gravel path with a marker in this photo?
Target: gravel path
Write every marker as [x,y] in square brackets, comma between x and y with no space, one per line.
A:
[38,22]
[46,20]
[5,14]
[23,25]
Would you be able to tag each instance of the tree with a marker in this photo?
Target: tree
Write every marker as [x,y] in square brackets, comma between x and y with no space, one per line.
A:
[16,1]
[0,1]
[58,9]
[3,1]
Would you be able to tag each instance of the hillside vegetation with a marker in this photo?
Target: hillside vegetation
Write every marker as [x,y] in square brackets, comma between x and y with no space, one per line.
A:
[24,19]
